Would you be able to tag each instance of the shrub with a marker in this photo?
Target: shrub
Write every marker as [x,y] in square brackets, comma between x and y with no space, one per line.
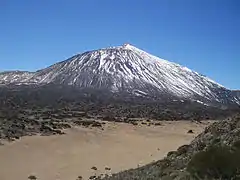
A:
[190,131]
[236,145]
[182,149]
[216,162]
[32,177]
[107,168]
[94,168]
[79,178]
[92,177]
[170,153]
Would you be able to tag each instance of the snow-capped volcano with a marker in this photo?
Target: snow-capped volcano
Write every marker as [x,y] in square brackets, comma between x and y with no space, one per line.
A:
[127,68]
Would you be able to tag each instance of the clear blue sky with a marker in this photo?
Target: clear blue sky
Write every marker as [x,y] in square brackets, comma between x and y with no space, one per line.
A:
[203,35]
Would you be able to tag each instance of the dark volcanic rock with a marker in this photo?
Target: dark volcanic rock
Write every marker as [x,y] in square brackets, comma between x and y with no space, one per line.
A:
[29,110]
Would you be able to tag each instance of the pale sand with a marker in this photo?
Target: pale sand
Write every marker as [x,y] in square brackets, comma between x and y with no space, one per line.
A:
[120,146]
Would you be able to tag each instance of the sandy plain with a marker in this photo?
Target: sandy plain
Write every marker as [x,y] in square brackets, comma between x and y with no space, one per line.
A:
[119,146]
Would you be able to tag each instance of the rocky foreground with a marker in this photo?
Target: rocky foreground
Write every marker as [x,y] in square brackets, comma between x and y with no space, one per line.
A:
[214,154]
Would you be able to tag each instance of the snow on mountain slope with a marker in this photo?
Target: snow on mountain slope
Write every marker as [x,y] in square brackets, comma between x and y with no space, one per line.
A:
[127,68]
[15,77]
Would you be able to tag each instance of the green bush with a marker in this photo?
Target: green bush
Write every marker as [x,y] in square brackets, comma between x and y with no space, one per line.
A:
[221,162]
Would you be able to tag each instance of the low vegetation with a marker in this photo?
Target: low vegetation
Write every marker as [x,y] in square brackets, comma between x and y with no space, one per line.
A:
[212,155]
[218,162]
[32,177]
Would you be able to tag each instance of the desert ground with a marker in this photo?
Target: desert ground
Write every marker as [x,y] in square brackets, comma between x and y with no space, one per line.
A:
[118,147]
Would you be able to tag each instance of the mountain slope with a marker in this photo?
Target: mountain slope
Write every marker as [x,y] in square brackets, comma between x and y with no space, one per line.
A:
[236,93]
[129,69]
[18,77]
[213,155]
